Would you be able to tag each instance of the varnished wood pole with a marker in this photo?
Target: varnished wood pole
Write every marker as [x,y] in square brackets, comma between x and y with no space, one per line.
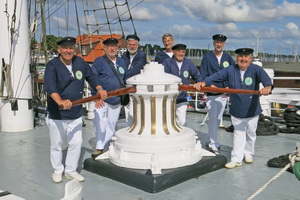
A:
[113,93]
[217,90]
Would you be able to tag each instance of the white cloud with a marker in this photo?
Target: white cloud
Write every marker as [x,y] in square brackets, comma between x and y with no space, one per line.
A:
[289,9]
[223,11]
[291,26]
[292,30]
[143,14]
[163,11]
[195,21]
[227,27]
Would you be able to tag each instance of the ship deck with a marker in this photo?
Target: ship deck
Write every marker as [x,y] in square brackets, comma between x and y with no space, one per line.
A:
[25,169]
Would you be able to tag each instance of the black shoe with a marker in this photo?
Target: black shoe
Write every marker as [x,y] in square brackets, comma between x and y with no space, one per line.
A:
[96,153]
[229,129]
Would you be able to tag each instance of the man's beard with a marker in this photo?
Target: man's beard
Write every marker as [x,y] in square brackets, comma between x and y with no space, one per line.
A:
[132,52]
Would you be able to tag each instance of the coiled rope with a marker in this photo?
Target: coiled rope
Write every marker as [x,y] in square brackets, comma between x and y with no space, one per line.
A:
[293,157]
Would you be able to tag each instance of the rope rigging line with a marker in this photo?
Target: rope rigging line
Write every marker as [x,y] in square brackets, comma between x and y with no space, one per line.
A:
[12,31]
[120,21]
[55,11]
[87,27]
[96,18]
[7,17]
[129,10]
[58,32]
[49,7]
[121,4]
[115,20]
[100,9]
[6,68]
[78,26]
[108,22]
[67,16]
[48,19]
[293,157]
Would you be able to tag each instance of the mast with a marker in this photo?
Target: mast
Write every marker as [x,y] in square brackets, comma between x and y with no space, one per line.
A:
[44,35]
[16,113]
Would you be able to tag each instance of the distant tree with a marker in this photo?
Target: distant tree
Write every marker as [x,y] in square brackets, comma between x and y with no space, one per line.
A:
[157,47]
[51,42]
[148,49]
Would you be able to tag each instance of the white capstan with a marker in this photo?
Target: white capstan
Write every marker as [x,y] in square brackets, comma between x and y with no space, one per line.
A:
[155,141]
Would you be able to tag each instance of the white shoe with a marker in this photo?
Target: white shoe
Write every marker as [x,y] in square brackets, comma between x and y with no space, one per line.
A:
[232,164]
[248,160]
[215,150]
[57,177]
[75,176]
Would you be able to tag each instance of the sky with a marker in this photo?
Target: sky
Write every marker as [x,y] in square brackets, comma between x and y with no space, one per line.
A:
[269,26]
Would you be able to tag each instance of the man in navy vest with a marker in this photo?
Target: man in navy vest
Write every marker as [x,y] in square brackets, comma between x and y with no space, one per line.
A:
[167,52]
[245,108]
[185,69]
[65,76]
[111,71]
[212,62]
[135,60]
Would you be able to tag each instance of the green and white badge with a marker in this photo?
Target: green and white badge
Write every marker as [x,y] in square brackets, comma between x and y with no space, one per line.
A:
[225,64]
[185,74]
[78,75]
[121,70]
[248,81]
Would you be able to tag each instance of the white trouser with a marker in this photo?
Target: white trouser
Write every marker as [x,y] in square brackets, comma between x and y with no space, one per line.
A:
[244,137]
[65,133]
[216,105]
[105,124]
[181,113]
[129,112]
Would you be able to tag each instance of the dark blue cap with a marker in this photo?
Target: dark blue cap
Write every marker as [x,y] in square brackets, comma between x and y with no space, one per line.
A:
[67,41]
[244,51]
[179,47]
[219,37]
[133,37]
[109,41]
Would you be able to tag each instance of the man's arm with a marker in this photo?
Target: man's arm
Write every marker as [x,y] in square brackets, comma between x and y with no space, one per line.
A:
[64,104]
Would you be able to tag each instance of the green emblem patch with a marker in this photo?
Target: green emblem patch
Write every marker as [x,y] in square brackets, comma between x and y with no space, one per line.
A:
[185,74]
[78,75]
[121,70]
[225,64]
[248,81]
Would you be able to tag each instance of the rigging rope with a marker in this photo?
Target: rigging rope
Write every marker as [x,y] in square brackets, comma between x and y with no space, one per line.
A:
[108,22]
[55,11]
[116,5]
[129,10]
[78,26]
[88,30]
[293,157]
[67,16]
[6,68]
[112,22]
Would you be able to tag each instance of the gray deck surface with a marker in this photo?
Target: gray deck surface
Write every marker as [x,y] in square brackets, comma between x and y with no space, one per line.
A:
[26,170]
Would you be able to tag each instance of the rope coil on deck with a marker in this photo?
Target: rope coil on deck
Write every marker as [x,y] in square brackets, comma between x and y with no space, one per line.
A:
[294,162]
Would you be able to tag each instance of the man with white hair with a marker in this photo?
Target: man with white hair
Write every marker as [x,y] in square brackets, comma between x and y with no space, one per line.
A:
[245,108]
[166,52]
[65,76]
[135,60]
[185,69]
